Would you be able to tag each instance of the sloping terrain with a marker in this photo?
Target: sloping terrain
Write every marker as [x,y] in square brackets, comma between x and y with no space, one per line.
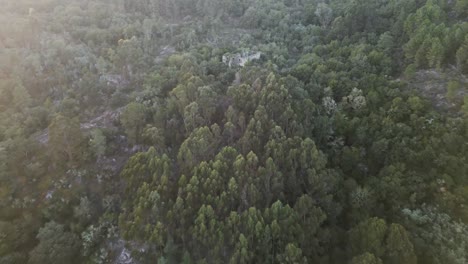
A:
[433,85]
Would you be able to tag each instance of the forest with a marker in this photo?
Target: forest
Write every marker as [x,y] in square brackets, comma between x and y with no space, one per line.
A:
[234,131]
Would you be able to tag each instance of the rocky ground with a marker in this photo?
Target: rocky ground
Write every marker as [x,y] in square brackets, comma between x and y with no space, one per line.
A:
[432,84]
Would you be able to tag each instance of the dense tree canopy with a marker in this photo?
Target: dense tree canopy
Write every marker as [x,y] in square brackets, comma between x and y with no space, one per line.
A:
[234,131]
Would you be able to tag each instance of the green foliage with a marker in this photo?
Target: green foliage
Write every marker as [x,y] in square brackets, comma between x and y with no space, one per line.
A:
[366,258]
[452,89]
[124,121]
[65,139]
[439,238]
[368,236]
[374,240]
[399,246]
[98,142]
[462,56]
[324,14]
[461,7]
[133,119]
[55,245]
[292,255]
[410,70]
[465,105]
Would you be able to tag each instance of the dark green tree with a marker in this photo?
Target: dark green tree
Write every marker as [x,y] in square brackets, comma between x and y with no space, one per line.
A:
[133,119]
[55,246]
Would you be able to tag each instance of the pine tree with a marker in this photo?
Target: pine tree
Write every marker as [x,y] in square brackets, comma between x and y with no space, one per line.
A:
[65,138]
[366,258]
[368,236]
[133,119]
[399,249]
[435,56]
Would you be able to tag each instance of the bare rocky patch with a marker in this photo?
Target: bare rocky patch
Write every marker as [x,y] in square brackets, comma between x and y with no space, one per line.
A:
[433,85]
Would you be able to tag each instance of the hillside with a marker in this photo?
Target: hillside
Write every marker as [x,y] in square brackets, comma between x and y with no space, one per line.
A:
[233,131]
